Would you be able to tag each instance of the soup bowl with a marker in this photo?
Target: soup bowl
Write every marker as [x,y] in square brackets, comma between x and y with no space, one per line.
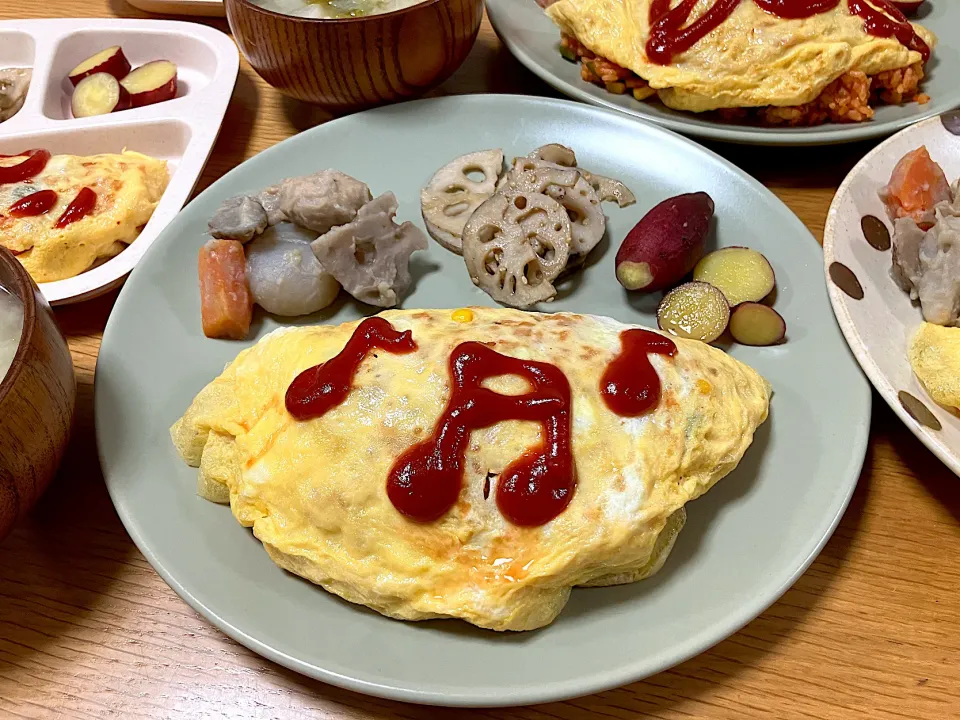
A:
[37,398]
[349,64]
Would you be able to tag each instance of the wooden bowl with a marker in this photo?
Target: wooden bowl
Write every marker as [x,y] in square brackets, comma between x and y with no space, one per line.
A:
[354,63]
[37,397]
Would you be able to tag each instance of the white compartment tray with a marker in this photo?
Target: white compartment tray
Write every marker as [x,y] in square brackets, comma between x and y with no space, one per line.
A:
[181,131]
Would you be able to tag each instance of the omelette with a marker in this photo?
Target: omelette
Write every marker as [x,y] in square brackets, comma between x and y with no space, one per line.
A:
[127,187]
[934,353]
[820,60]
[317,492]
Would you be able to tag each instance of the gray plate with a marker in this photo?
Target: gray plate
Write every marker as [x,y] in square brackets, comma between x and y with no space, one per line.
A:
[745,542]
[533,38]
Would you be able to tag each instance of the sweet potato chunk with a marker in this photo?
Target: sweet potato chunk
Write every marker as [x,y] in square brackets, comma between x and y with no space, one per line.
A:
[694,310]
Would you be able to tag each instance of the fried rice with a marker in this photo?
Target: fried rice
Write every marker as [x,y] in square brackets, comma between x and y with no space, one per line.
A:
[850,98]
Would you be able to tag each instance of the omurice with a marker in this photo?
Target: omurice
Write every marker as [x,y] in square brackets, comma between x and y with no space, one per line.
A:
[475,463]
[777,62]
[61,214]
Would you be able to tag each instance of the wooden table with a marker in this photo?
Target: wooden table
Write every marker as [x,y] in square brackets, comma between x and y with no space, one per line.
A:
[89,630]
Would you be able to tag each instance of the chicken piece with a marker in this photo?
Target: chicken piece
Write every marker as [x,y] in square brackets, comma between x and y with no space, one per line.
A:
[916,186]
[907,237]
[225,305]
[285,276]
[370,256]
[939,286]
[323,200]
[238,218]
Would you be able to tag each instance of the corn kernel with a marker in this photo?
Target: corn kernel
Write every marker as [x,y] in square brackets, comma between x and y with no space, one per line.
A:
[464,315]
[704,387]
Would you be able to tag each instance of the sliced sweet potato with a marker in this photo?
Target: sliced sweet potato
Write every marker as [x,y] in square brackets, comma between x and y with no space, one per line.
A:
[111,61]
[665,245]
[225,304]
[756,324]
[916,186]
[694,310]
[98,94]
[741,274]
[152,83]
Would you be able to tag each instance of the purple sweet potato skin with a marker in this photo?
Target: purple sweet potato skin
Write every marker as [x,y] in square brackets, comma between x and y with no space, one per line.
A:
[670,239]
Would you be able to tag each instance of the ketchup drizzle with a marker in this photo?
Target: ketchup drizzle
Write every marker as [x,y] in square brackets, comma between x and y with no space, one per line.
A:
[81,206]
[34,204]
[669,37]
[425,481]
[321,388]
[31,167]
[630,386]
[896,25]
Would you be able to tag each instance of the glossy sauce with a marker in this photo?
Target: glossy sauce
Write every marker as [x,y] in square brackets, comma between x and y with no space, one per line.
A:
[34,204]
[81,206]
[425,481]
[31,167]
[670,35]
[630,385]
[321,388]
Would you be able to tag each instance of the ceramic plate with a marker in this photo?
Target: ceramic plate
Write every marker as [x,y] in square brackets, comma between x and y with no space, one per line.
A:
[181,131]
[745,542]
[533,38]
[878,326]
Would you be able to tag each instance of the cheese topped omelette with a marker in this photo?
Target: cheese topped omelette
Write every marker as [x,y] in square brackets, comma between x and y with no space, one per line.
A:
[753,58]
[314,491]
[128,187]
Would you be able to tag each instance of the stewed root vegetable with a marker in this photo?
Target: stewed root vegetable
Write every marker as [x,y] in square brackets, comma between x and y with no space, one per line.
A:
[741,274]
[666,244]
[111,61]
[226,308]
[98,94]
[694,310]
[152,83]
[756,324]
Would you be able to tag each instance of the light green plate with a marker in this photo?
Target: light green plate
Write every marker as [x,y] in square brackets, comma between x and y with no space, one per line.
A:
[745,542]
[535,41]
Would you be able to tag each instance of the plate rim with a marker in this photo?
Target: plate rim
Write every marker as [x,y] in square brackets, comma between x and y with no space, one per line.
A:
[848,327]
[515,695]
[741,135]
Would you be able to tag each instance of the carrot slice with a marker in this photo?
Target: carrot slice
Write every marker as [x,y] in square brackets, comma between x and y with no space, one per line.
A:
[916,186]
[225,305]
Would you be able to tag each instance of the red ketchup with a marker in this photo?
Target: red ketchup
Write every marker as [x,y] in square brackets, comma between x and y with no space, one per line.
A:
[893,24]
[31,167]
[322,387]
[630,386]
[34,204]
[81,206]
[670,35]
[425,481]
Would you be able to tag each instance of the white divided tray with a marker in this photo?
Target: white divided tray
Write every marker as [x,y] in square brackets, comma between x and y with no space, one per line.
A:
[181,131]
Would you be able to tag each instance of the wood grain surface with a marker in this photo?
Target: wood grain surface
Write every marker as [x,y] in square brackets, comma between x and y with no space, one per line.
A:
[872,630]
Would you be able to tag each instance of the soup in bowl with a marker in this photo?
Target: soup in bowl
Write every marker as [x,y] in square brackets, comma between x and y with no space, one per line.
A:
[37,392]
[347,55]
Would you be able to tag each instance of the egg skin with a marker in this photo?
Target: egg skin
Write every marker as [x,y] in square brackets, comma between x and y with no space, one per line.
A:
[752,59]
[314,491]
[934,353]
[128,185]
